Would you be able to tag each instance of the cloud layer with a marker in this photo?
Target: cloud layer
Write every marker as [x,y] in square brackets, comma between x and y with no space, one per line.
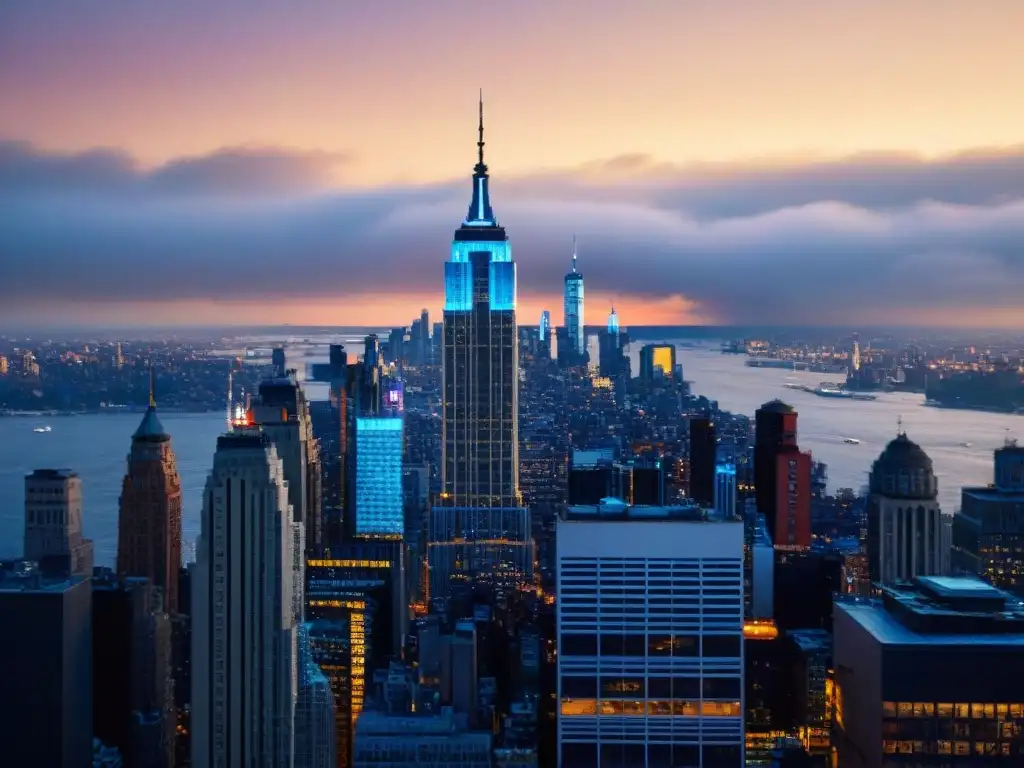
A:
[883,238]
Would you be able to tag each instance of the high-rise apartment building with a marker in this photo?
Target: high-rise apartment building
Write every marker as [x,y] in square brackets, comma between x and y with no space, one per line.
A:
[246,598]
[379,508]
[46,668]
[792,498]
[53,520]
[988,532]
[149,516]
[544,333]
[907,535]
[479,523]
[573,309]
[650,637]
[774,430]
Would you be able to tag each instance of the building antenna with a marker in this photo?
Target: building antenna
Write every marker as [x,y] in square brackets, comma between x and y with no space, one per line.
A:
[574,252]
[899,426]
[152,387]
[231,373]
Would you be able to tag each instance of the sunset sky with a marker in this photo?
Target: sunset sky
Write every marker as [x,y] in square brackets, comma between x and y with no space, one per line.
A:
[305,162]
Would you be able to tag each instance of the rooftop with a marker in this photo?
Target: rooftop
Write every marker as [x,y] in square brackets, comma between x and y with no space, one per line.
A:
[941,610]
[52,474]
[616,509]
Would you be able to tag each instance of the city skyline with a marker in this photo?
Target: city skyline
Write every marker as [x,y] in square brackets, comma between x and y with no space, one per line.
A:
[694,145]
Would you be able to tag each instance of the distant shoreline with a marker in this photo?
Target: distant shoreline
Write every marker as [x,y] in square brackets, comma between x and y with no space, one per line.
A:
[982,408]
[98,411]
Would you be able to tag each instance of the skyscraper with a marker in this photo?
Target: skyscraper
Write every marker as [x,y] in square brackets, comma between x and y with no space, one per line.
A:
[725,489]
[650,637]
[774,429]
[703,460]
[574,306]
[149,519]
[988,533]
[246,595]
[480,506]
[283,413]
[53,520]
[379,510]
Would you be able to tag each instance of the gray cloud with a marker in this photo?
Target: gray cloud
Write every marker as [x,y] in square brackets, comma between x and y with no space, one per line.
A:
[813,242]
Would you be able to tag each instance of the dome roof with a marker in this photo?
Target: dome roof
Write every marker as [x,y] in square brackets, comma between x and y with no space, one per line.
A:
[777,406]
[903,453]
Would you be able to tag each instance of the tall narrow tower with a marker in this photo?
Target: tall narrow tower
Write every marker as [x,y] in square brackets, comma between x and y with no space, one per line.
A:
[480,526]
[246,591]
[574,306]
[149,519]
[480,467]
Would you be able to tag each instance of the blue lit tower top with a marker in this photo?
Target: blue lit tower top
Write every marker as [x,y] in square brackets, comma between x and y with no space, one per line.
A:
[480,233]
[574,305]
[613,321]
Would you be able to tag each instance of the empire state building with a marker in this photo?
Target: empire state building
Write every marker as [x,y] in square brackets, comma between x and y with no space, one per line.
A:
[481,358]
[480,528]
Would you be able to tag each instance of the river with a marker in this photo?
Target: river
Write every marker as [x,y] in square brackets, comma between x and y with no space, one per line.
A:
[96,446]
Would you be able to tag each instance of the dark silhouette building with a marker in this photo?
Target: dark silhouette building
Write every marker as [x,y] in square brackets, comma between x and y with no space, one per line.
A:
[657,360]
[774,430]
[46,668]
[703,458]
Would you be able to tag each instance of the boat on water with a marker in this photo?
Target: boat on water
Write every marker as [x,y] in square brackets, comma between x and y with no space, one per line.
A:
[851,441]
[827,389]
[966,445]
[43,430]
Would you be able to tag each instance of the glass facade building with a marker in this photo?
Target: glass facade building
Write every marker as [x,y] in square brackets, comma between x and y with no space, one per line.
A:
[574,307]
[378,502]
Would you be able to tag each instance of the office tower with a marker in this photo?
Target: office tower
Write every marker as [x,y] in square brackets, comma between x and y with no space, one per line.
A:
[907,535]
[416,503]
[371,351]
[149,515]
[46,668]
[792,498]
[396,344]
[759,572]
[657,361]
[725,489]
[282,411]
[325,420]
[277,362]
[133,695]
[544,333]
[479,524]
[441,740]
[635,483]
[423,341]
[53,520]
[774,429]
[929,676]
[649,632]
[375,571]
[806,581]
[988,532]
[573,309]
[379,510]
[247,576]
[314,711]
[703,460]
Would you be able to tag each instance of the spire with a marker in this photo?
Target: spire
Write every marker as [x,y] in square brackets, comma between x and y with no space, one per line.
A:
[480,141]
[480,213]
[574,252]
[150,427]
